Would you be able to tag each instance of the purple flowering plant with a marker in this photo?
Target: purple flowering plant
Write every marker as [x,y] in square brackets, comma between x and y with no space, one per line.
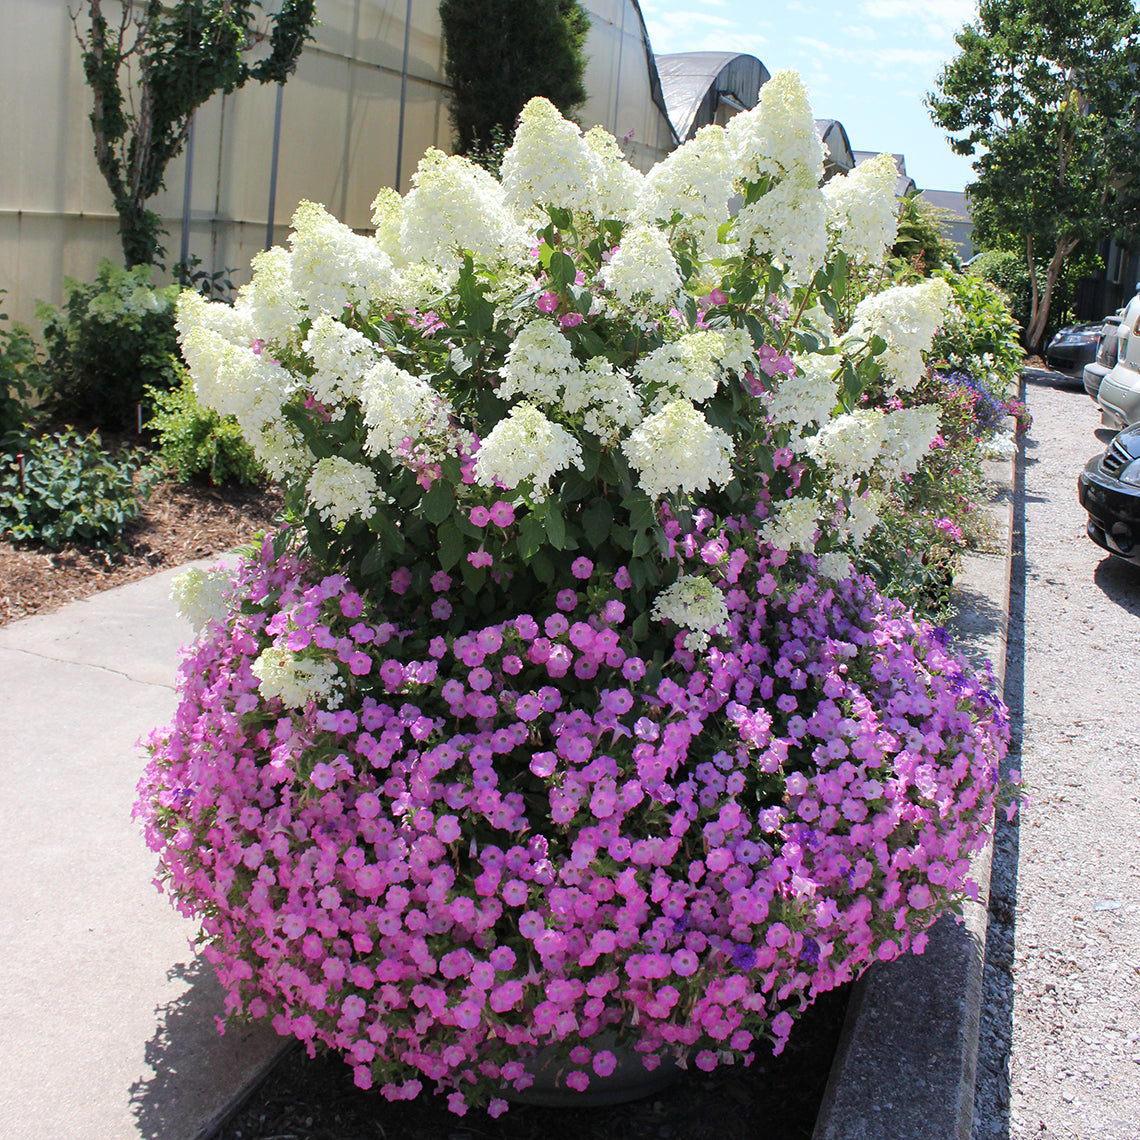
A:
[555,714]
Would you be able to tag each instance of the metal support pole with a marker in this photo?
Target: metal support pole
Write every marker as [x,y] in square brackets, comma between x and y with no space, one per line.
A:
[403,97]
[273,168]
[187,186]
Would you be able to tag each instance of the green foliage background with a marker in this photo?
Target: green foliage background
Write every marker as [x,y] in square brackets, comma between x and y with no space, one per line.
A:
[500,54]
[195,444]
[112,340]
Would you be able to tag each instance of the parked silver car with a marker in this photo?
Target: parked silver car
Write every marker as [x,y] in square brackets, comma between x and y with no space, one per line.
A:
[1119,393]
[1106,352]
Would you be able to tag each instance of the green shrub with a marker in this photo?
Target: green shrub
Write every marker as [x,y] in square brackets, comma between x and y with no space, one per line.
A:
[500,53]
[1007,270]
[70,489]
[981,337]
[919,243]
[19,374]
[111,341]
[195,443]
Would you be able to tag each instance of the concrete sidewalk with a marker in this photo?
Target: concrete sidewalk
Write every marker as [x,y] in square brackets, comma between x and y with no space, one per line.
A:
[107,1016]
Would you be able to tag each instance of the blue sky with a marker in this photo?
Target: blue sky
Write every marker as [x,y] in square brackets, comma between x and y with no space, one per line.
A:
[867,63]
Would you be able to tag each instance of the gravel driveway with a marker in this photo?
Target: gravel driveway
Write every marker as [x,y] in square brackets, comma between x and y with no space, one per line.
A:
[1060,1048]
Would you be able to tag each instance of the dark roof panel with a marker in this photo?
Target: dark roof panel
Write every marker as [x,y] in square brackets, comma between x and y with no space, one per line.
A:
[696,84]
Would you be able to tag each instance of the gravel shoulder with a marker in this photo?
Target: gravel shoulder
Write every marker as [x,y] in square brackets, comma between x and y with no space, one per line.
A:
[1060,1046]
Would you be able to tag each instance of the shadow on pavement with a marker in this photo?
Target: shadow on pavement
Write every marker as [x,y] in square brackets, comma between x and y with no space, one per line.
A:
[1119,581]
[184,1093]
[1048,378]
[991,1095]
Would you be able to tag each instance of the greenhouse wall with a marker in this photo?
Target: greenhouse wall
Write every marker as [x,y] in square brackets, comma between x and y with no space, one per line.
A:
[357,115]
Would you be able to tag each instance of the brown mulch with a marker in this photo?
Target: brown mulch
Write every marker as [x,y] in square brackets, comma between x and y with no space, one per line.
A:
[176,524]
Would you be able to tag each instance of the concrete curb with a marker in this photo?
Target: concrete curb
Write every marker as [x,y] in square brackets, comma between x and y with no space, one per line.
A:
[906,1062]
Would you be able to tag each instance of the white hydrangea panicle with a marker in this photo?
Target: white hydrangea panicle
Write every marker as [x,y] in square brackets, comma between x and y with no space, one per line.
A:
[423,286]
[642,271]
[523,447]
[341,356]
[906,317]
[333,267]
[606,397]
[549,163]
[688,367]
[539,364]
[273,305]
[862,214]
[862,516]
[789,223]
[677,450]
[202,597]
[400,408]
[738,352]
[141,299]
[234,380]
[834,565]
[455,207]
[809,396]
[541,368]
[777,138]
[695,604]
[907,436]
[849,444]
[296,679]
[232,323]
[619,186]
[280,447]
[696,181]
[792,525]
[341,490]
[388,219]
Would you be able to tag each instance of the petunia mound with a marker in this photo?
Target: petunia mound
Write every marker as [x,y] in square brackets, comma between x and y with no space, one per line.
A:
[473,860]
[555,713]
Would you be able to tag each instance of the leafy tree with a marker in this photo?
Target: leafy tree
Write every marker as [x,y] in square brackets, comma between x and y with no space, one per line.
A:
[153,71]
[1046,91]
[501,53]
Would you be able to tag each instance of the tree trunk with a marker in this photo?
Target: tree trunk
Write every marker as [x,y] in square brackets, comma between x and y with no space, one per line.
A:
[139,230]
[1039,311]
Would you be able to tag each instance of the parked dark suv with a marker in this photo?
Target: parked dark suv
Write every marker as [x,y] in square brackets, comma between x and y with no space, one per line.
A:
[1109,489]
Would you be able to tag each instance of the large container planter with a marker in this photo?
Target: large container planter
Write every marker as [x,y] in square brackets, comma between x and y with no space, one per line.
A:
[556,709]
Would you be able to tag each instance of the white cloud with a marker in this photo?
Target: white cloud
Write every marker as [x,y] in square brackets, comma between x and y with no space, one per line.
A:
[876,60]
[688,30]
[946,16]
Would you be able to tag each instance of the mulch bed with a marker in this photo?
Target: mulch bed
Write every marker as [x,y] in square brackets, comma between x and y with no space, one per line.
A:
[776,1098]
[176,524]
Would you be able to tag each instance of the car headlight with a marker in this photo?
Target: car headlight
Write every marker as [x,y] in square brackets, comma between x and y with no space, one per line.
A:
[1131,474]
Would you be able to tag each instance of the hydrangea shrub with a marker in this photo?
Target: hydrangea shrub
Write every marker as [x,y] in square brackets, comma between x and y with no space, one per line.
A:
[556,708]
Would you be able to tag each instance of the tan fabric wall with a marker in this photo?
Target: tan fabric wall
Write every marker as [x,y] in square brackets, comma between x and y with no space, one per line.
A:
[618,79]
[339,137]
